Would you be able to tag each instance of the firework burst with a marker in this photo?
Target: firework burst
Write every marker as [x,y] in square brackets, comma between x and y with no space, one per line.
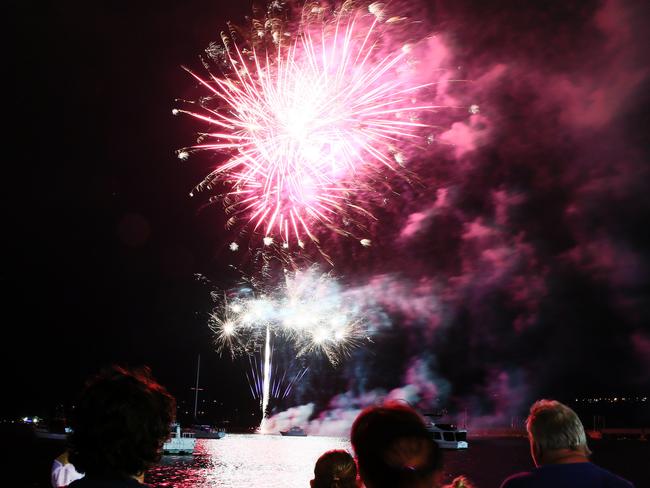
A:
[307,120]
[309,310]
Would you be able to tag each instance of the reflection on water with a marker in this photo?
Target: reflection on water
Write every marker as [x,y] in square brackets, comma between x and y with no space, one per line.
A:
[240,461]
[245,460]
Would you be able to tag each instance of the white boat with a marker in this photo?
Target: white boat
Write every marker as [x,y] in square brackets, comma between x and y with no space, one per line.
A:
[447,436]
[180,443]
[294,431]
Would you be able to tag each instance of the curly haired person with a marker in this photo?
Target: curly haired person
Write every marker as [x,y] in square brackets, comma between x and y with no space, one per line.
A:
[121,421]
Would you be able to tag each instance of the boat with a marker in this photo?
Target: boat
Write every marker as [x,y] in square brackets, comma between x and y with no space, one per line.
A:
[180,442]
[294,431]
[447,436]
[202,431]
[47,434]
[207,432]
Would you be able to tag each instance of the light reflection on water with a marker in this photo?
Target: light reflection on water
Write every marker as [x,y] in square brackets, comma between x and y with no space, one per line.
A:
[245,460]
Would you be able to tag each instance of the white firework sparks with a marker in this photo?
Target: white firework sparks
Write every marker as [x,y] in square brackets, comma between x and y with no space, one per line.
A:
[308,309]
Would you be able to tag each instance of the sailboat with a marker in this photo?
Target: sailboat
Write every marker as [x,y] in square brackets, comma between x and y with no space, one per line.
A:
[202,431]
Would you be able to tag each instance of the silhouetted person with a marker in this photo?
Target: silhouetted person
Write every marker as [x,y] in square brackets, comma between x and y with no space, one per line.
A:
[119,426]
[394,448]
[558,445]
[335,469]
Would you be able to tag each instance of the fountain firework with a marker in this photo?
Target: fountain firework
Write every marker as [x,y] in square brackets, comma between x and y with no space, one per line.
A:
[308,310]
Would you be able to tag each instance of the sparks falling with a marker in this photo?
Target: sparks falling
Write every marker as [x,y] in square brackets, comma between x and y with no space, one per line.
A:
[307,118]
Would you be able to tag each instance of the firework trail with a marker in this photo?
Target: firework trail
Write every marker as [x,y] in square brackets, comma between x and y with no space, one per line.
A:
[280,386]
[309,117]
[267,377]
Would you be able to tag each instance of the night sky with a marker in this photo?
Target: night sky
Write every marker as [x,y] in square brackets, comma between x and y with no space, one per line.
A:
[517,266]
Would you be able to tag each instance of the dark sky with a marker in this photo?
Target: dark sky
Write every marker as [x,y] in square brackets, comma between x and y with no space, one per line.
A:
[101,241]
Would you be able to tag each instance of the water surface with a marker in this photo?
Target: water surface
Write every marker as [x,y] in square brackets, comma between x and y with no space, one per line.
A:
[245,460]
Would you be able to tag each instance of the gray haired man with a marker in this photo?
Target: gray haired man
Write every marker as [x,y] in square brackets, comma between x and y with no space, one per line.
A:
[558,445]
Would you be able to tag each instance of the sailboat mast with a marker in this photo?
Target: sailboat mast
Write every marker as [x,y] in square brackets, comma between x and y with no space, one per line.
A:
[196,389]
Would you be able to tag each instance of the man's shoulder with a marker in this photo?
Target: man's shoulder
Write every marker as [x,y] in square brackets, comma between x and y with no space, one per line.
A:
[579,474]
[519,480]
[611,479]
[589,474]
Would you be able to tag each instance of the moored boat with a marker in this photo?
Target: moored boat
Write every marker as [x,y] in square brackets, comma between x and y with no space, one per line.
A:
[207,432]
[447,436]
[180,442]
[294,431]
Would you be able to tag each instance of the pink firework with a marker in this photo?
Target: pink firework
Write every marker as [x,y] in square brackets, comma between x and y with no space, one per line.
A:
[308,122]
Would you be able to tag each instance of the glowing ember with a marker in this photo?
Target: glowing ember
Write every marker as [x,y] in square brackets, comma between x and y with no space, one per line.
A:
[228,328]
[306,120]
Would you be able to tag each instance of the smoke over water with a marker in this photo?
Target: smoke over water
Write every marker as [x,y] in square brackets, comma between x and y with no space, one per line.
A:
[513,263]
